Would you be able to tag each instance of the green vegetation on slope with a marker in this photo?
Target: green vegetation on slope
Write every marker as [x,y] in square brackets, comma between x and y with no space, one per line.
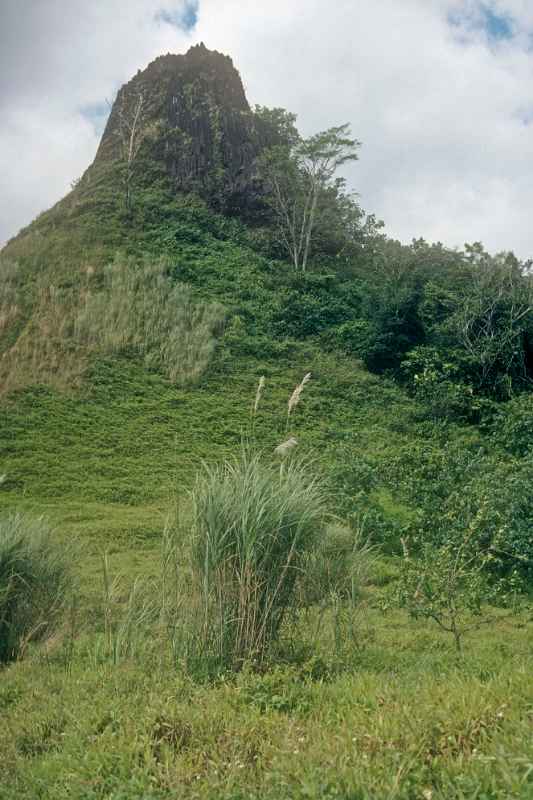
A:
[106,418]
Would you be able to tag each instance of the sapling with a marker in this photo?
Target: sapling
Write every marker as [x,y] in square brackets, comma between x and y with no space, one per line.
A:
[446,583]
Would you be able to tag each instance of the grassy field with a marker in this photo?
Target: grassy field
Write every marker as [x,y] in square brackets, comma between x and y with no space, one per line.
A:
[389,711]
[398,716]
[352,703]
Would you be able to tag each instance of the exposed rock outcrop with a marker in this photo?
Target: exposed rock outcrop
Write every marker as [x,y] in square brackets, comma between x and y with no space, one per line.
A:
[194,121]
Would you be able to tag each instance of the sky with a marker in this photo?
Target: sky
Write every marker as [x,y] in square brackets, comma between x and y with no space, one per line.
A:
[440,92]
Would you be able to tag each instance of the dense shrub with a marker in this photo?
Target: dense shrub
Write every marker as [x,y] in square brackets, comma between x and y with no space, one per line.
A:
[35,583]
[338,565]
[438,381]
[514,425]
[466,487]
[357,337]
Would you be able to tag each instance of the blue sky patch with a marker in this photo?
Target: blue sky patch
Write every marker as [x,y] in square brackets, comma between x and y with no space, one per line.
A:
[525,115]
[498,27]
[184,18]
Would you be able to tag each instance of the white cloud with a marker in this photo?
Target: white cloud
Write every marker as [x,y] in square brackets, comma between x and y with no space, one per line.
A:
[57,60]
[446,152]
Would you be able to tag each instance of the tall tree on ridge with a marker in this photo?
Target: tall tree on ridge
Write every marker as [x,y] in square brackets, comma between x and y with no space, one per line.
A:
[298,177]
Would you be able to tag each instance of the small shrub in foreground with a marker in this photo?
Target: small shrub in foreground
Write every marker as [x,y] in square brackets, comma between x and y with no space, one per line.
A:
[35,583]
[339,564]
[446,583]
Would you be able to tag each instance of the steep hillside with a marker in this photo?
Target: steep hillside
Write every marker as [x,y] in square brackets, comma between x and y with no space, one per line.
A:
[136,320]
[135,327]
[137,317]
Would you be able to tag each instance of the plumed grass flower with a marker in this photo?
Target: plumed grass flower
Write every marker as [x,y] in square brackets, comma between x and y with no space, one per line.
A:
[294,399]
[258,394]
[286,447]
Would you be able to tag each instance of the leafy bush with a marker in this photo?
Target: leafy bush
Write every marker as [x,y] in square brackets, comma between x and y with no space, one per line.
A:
[307,309]
[514,425]
[497,501]
[445,583]
[460,487]
[253,524]
[436,380]
[356,337]
[339,564]
[35,583]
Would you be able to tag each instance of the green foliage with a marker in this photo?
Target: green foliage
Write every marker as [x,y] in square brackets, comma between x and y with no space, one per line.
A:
[492,318]
[348,700]
[445,583]
[465,487]
[277,126]
[513,426]
[459,321]
[356,337]
[393,327]
[35,583]
[302,191]
[436,381]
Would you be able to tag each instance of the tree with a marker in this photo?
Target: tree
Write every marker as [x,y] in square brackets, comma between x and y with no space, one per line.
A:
[445,583]
[302,186]
[493,318]
[132,130]
[276,126]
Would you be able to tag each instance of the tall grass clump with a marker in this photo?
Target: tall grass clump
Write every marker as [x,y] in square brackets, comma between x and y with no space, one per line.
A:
[35,583]
[138,307]
[253,525]
[340,565]
[10,300]
[131,617]
[127,306]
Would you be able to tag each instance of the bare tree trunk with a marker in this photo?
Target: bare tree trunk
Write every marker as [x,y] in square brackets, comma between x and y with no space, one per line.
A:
[310,226]
[132,133]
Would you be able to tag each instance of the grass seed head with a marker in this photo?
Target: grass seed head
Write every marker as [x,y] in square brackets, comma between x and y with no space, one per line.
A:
[285,447]
[259,392]
[294,399]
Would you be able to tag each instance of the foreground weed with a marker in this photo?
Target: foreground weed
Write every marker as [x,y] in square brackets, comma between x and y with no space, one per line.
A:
[35,583]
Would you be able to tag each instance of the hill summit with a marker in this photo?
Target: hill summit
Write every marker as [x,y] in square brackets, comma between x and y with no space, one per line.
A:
[190,115]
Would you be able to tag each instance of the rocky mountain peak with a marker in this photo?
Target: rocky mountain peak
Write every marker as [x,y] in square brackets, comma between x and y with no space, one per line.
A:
[190,114]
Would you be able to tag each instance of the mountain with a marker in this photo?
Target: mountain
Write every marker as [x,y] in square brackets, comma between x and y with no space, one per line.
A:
[150,323]
[199,128]
[181,144]
[183,125]
[144,295]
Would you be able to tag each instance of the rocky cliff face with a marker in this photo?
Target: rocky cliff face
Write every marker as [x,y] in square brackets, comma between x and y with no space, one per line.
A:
[189,114]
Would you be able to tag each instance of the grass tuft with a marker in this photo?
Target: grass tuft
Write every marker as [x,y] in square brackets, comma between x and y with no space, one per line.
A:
[35,584]
[252,526]
[128,307]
